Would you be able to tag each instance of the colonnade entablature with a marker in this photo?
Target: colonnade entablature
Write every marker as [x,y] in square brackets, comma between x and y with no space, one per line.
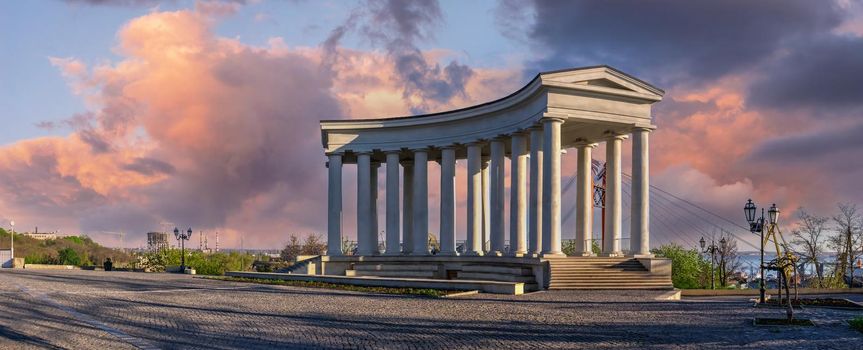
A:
[574,108]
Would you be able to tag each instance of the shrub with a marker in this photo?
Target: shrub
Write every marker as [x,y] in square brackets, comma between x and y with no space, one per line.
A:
[69,256]
[688,267]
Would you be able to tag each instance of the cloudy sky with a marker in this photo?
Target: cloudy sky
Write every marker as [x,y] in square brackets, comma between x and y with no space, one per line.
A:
[121,115]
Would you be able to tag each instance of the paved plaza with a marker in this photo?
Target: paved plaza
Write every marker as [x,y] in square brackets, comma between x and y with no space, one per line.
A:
[119,310]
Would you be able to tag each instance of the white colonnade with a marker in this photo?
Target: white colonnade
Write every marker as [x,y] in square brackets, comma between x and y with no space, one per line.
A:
[534,211]
[574,109]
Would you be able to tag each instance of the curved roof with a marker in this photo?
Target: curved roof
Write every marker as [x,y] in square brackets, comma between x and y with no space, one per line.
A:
[597,94]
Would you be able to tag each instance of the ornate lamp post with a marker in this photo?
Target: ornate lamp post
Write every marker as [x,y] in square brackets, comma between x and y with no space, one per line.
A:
[756,225]
[712,249]
[183,237]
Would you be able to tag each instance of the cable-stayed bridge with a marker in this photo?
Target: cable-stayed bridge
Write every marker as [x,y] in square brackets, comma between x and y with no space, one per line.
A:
[673,219]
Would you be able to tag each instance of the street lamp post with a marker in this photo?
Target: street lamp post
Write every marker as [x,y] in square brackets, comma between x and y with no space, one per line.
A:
[756,225]
[183,237]
[12,243]
[712,249]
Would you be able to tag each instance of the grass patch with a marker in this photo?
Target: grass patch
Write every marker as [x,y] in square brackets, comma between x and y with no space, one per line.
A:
[857,323]
[435,293]
[783,322]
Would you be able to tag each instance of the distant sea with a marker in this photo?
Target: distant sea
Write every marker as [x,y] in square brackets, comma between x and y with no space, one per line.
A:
[750,261]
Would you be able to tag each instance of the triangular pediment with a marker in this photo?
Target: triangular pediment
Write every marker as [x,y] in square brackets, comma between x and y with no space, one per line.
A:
[603,77]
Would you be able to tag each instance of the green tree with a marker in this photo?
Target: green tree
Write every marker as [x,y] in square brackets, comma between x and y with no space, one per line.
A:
[69,256]
[688,267]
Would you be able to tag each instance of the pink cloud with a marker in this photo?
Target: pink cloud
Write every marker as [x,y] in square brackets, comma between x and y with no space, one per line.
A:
[205,131]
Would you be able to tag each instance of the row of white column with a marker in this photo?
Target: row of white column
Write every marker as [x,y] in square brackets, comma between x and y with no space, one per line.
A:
[535,216]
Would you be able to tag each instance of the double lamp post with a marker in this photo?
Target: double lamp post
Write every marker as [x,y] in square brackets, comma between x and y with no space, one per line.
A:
[757,225]
[182,237]
[712,249]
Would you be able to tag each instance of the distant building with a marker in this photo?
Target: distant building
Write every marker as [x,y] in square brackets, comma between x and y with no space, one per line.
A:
[40,235]
[157,241]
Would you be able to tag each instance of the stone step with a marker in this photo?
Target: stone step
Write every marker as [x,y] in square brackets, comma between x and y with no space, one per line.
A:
[613,287]
[395,267]
[523,271]
[610,280]
[598,264]
[625,263]
[591,268]
[490,276]
[596,270]
[590,260]
[395,273]
[607,275]
[610,284]
[531,287]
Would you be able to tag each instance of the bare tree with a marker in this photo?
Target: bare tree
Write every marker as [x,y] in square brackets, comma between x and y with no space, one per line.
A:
[292,249]
[313,246]
[808,243]
[728,260]
[845,242]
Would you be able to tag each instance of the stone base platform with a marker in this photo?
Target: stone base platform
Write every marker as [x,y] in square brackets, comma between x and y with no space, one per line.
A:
[535,273]
[512,288]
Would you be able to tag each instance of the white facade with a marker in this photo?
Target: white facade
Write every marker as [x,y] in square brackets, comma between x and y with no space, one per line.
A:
[576,108]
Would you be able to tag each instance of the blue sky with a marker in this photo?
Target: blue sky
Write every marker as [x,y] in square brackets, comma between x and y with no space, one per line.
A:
[33,90]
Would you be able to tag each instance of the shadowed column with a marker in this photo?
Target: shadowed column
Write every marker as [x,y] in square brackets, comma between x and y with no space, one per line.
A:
[407,207]
[535,209]
[393,219]
[486,205]
[584,200]
[498,234]
[447,201]
[420,207]
[473,246]
[640,236]
[364,197]
[373,204]
[518,196]
[613,198]
[334,205]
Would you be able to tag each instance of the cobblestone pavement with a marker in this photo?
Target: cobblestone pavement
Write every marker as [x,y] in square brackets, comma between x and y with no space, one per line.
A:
[118,310]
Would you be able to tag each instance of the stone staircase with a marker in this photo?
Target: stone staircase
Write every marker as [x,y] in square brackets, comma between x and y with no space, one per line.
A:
[603,273]
[394,270]
[467,272]
[302,267]
[499,273]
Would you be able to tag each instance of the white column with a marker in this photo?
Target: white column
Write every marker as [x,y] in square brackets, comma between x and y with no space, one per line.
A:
[421,203]
[364,197]
[473,245]
[373,204]
[393,219]
[334,206]
[640,236]
[518,196]
[551,187]
[407,207]
[613,199]
[486,206]
[535,219]
[498,230]
[447,201]
[584,200]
